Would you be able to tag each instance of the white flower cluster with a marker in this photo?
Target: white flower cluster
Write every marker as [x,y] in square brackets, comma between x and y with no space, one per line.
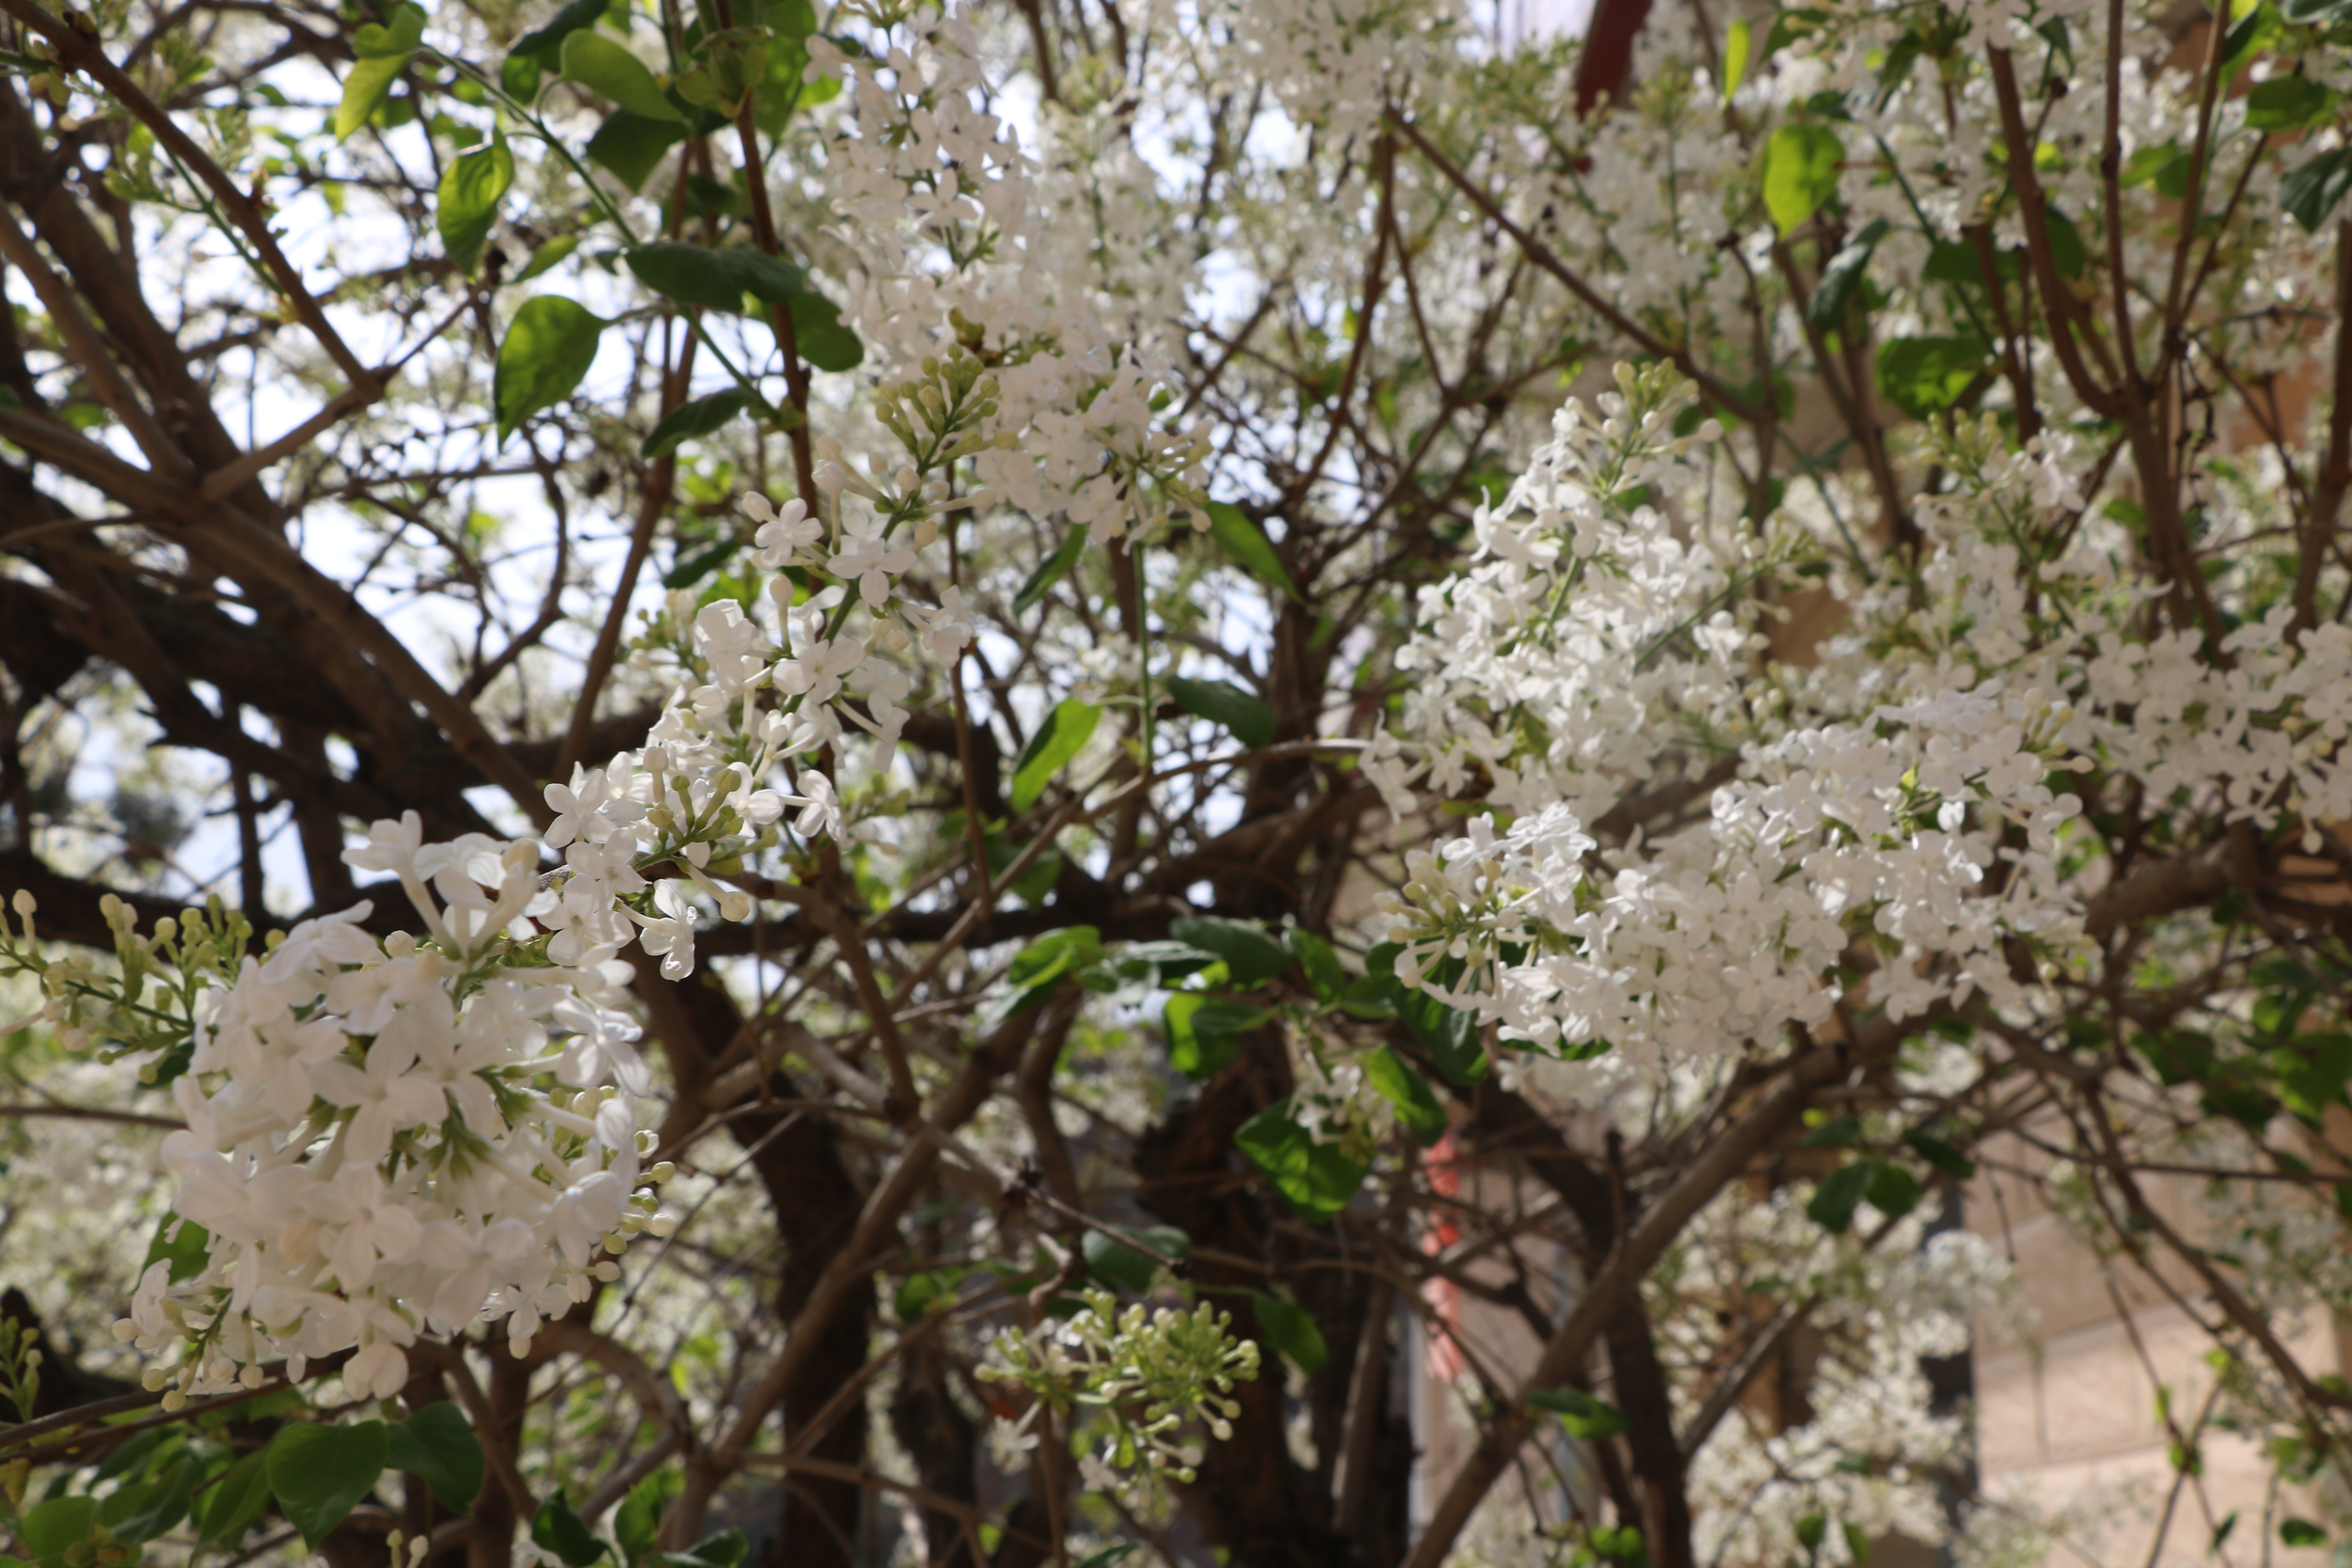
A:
[387,1139]
[376,1144]
[953,228]
[1607,642]
[1880,1310]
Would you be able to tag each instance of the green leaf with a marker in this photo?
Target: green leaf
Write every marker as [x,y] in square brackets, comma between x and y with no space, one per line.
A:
[137,1514]
[1400,1085]
[1838,1132]
[545,45]
[1941,1155]
[562,1531]
[638,1522]
[321,1473]
[933,1289]
[631,145]
[1122,1267]
[1066,729]
[1316,1178]
[607,69]
[1248,545]
[1839,1195]
[235,1500]
[1110,1556]
[438,1446]
[1812,1530]
[1037,970]
[2287,103]
[692,569]
[2310,193]
[2068,254]
[1857,1544]
[1926,377]
[1204,1032]
[1894,1191]
[2301,1532]
[468,204]
[698,416]
[820,337]
[724,1549]
[49,1527]
[1800,172]
[548,346]
[1738,41]
[382,51]
[1324,973]
[1825,311]
[1290,1331]
[714,279]
[1450,1035]
[1050,571]
[1251,957]
[2316,13]
[1222,702]
[547,255]
[187,1248]
[1588,1420]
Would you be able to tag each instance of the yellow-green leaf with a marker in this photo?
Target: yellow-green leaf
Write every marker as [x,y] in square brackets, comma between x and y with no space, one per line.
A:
[548,348]
[1248,545]
[1800,172]
[382,51]
[467,204]
[1067,728]
[604,67]
[548,256]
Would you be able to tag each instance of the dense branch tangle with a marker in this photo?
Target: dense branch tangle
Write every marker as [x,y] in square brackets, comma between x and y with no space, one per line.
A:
[309,521]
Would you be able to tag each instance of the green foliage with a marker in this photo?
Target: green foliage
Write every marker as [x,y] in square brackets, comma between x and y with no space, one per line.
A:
[184,1242]
[381,52]
[471,188]
[1289,1330]
[1800,172]
[1204,1032]
[632,145]
[604,67]
[1839,1195]
[1050,571]
[236,1501]
[638,1521]
[2313,190]
[694,418]
[1222,702]
[1587,1419]
[1825,311]
[548,348]
[1316,1178]
[1120,1267]
[562,1532]
[1039,969]
[1251,957]
[1250,549]
[820,337]
[2288,103]
[1928,376]
[319,1472]
[1416,1103]
[1064,732]
[438,1446]
[714,279]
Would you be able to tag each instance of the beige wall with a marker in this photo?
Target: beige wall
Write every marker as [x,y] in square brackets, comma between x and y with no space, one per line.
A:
[2067,1421]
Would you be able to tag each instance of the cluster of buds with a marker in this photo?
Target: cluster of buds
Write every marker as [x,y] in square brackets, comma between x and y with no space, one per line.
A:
[1133,1380]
